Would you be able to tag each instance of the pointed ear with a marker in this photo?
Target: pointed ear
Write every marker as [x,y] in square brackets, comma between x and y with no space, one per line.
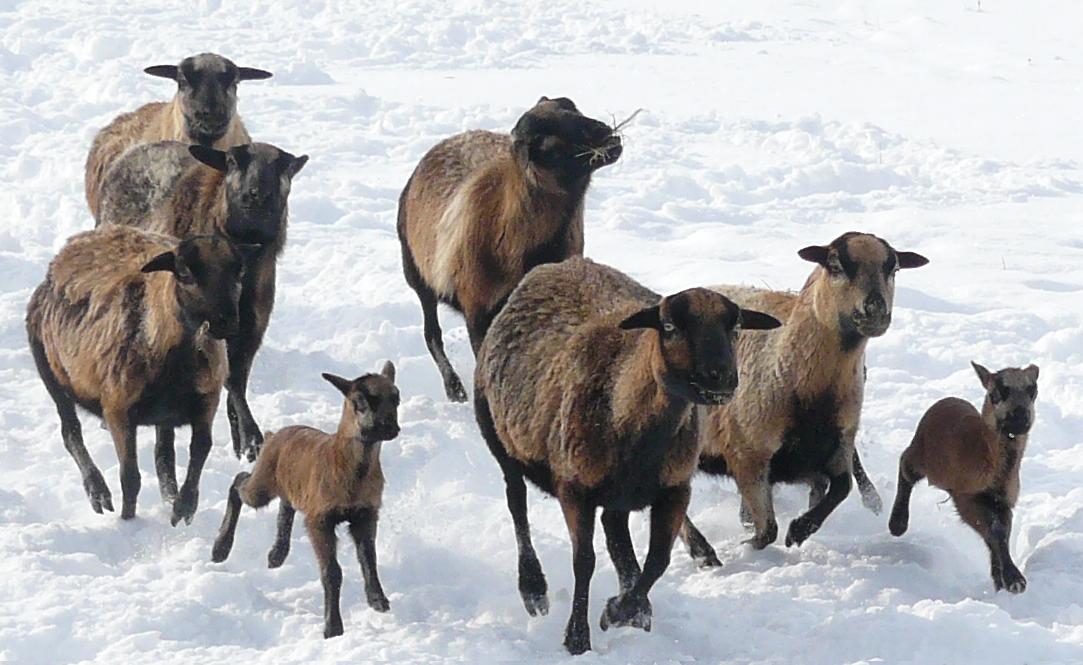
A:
[388,371]
[295,166]
[815,253]
[644,318]
[1031,372]
[164,262]
[911,259]
[541,99]
[252,74]
[216,159]
[753,320]
[162,71]
[342,384]
[984,375]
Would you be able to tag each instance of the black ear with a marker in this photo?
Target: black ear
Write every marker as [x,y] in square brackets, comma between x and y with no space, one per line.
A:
[984,375]
[541,99]
[252,74]
[1031,372]
[644,318]
[342,384]
[163,71]
[388,371]
[164,262]
[816,254]
[295,166]
[911,259]
[753,320]
[216,159]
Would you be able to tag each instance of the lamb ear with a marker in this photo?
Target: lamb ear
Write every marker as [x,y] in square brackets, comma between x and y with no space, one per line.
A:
[296,164]
[984,375]
[164,262]
[911,259]
[388,371]
[252,74]
[1031,372]
[645,318]
[216,159]
[753,320]
[342,384]
[815,253]
[162,71]
[541,99]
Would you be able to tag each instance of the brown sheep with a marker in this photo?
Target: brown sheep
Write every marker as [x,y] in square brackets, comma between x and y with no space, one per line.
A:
[585,384]
[240,194]
[975,458]
[128,325]
[796,416]
[203,111]
[330,478]
[481,209]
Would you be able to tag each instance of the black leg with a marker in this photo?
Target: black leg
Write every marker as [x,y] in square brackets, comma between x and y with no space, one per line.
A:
[991,517]
[165,463]
[900,511]
[619,543]
[809,523]
[322,535]
[817,490]
[123,434]
[223,544]
[434,340]
[633,608]
[363,530]
[247,437]
[698,547]
[184,508]
[579,516]
[281,548]
[870,498]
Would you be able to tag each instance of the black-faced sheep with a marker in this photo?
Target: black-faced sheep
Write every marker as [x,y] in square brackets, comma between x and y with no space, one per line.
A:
[481,209]
[585,385]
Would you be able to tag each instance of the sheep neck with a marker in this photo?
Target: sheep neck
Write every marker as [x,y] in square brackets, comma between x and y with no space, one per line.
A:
[640,400]
[821,361]
[348,440]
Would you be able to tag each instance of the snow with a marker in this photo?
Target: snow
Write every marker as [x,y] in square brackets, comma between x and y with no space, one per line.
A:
[946,128]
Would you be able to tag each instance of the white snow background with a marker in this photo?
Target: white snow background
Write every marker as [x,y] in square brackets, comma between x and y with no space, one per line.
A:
[946,127]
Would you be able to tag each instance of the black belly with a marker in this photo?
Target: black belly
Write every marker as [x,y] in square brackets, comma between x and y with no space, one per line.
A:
[813,438]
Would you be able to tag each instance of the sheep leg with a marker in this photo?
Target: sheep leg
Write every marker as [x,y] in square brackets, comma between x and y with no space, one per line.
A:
[223,544]
[241,351]
[756,494]
[619,543]
[165,462]
[284,527]
[633,608]
[698,548]
[817,490]
[579,516]
[321,532]
[434,340]
[991,517]
[123,433]
[900,511]
[363,530]
[870,498]
[184,507]
[809,523]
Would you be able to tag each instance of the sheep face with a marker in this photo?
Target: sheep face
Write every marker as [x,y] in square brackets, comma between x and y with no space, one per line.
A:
[698,332]
[374,401]
[208,271]
[858,290]
[1010,395]
[258,179]
[556,138]
[207,92]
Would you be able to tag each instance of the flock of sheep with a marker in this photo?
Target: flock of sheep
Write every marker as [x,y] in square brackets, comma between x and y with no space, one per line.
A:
[596,389]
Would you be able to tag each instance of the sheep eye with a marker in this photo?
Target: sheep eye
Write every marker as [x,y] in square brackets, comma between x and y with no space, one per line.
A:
[1032,391]
[669,328]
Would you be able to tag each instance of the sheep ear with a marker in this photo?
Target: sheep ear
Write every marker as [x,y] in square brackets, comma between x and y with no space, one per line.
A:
[645,318]
[753,320]
[164,262]
[162,71]
[388,371]
[295,166]
[1031,372]
[816,254]
[342,384]
[252,74]
[541,99]
[911,260]
[984,375]
[216,159]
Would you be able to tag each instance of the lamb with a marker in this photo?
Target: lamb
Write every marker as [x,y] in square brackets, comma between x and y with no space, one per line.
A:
[796,418]
[481,209]
[330,478]
[203,111]
[585,385]
[167,187]
[128,325]
[975,458]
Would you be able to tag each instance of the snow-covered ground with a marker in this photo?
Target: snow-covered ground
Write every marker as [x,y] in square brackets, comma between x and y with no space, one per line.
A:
[949,128]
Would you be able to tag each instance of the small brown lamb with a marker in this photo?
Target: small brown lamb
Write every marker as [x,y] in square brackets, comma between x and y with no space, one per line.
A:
[975,458]
[331,478]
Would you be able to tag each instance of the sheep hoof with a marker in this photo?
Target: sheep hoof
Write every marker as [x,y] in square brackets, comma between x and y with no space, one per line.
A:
[332,630]
[127,511]
[707,559]
[98,492]
[276,557]
[627,610]
[184,507]
[898,524]
[799,531]
[222,547]
[537,604]
[1010,579]
[762,540]
[870,498]
[379,603]
[577,637]
[251,446]
[453,386]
